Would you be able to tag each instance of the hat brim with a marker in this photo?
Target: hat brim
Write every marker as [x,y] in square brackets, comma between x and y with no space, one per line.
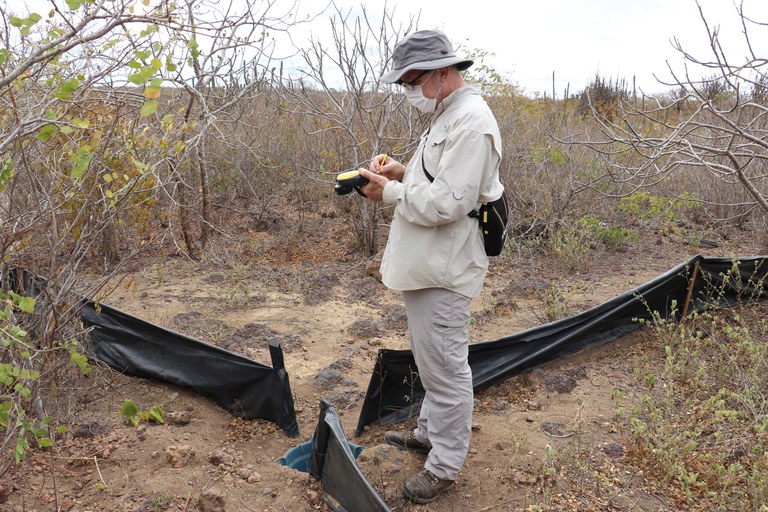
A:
[394,76]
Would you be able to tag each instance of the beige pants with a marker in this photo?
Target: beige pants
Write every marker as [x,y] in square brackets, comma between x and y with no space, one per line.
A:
[438,322]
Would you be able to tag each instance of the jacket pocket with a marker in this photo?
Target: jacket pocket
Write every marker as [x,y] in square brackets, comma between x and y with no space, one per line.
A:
[433,150]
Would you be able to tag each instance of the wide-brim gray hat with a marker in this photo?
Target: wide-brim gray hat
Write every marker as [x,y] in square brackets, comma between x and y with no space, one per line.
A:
[424,50]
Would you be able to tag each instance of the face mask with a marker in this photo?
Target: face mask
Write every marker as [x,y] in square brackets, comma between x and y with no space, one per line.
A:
[416,98]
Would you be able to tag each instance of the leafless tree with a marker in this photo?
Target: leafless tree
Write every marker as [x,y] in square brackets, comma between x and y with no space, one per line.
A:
[713,128]
[338,85]
[225,49]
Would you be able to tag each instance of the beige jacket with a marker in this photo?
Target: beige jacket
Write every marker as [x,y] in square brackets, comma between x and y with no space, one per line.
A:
[433,243]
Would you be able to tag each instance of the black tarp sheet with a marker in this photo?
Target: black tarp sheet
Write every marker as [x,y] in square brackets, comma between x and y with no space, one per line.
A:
[333,463]
[130,345]
[246,388]
[395,392]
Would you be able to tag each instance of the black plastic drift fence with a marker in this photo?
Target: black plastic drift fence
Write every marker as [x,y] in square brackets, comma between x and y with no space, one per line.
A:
[395,392]
[333,463]
[244,387]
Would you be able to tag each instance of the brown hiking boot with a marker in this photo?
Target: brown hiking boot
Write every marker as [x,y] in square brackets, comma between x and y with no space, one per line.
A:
[425,487]
[406,442]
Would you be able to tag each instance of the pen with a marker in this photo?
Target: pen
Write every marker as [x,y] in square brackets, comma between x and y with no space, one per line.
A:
[383,161]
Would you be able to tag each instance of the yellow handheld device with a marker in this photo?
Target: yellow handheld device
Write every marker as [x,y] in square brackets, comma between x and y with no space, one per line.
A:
[348,181]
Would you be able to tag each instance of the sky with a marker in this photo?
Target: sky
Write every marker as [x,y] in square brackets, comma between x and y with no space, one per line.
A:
[576,39]
[530,40]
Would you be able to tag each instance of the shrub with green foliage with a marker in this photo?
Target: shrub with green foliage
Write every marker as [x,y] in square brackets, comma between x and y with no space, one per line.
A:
[20,374]
[701,424]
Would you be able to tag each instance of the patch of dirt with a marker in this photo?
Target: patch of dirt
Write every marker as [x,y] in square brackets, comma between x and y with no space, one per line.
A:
[548,438]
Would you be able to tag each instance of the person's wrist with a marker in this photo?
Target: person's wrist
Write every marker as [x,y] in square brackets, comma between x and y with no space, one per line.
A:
[390,192]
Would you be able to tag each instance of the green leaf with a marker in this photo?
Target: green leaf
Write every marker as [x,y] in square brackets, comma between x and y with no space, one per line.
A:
[130,411]
[21,448]
[75,4]
[149,108]
[157,414]
[27,304]
[143,76]
[6,173]
[151,29]
[16,22]
[194,49]
[67,89]
[79,360]
[44,442]
[81,164]
[22,390]
[5,408]
[111,43]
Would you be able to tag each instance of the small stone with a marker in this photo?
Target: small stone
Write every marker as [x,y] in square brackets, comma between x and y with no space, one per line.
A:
[221,457]
[180,455]
[178,418]
[211,500]
[613,450]
[524,479]
[533,405]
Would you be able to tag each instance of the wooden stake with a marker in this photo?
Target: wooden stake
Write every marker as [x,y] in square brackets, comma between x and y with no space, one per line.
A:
[690,290]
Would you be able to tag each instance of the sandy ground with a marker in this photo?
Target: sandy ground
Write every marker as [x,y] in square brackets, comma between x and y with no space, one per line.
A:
[546,440]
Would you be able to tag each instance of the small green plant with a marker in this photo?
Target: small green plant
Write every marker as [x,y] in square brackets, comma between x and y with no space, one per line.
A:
[701,420]
[134,416]
[570,245]
[645,206]
[19,380]
[410,381]
[609,235]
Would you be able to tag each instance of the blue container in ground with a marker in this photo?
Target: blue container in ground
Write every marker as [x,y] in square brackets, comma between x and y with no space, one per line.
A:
[300,457]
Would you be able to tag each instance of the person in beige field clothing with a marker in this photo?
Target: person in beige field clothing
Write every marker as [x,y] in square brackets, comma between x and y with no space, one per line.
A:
[435,253]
